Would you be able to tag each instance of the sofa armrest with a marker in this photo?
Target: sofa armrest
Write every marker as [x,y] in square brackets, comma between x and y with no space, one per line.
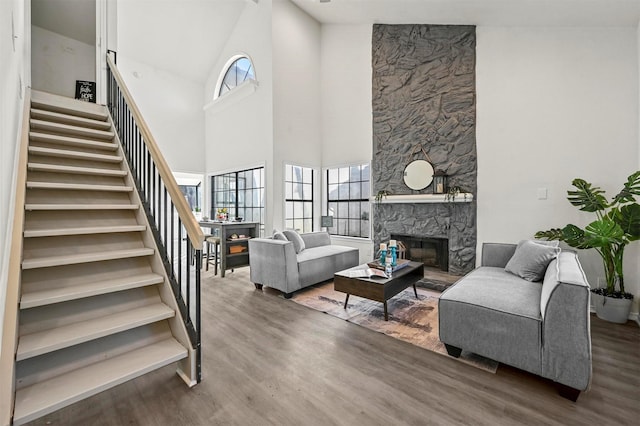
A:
[497,254]
[566,335]
[273,263]
[316,239]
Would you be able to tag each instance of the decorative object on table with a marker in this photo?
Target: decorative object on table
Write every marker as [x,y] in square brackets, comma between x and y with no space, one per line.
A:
[617,224]
[418,174]
[222,214]
[393,247]
[381,264]
[440,182]
[383,253]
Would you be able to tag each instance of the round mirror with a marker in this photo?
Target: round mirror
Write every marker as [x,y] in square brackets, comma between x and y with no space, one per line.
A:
[418,174]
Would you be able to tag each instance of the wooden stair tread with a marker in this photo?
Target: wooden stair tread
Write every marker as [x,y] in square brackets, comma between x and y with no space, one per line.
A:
[52,126]
[71,141]
[78,186]
[56,168]
[82,230]
[69,119]
[65,153]
[81,207]
[63,105]
[44,262]
[92,288]
[42,342]
[45,397]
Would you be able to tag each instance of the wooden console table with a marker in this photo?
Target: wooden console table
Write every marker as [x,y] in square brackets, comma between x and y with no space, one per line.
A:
[233,257]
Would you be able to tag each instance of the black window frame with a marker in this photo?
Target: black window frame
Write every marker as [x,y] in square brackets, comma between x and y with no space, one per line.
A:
[339,199]
[232,193]
[302,202]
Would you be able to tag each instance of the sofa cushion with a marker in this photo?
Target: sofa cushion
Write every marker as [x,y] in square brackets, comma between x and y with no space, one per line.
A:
[531,259]
[294,237]
[496,314]
[320,263]
[277,235]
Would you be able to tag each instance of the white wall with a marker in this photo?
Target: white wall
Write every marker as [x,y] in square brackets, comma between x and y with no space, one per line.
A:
[239,129]
[172,107]
[553,104]
[14,77]
[347,129]
[59,61]
[346,111]
[296,95]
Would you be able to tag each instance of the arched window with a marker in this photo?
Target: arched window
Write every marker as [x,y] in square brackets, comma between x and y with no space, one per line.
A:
[239,71]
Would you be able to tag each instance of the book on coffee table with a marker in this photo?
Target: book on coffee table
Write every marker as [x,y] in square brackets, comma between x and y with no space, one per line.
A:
[400,263]
[366,273]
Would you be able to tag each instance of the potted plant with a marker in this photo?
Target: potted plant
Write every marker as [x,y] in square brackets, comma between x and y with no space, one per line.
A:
[617,224]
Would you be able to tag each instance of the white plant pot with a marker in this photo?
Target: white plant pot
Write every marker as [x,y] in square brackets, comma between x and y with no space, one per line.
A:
[612,309]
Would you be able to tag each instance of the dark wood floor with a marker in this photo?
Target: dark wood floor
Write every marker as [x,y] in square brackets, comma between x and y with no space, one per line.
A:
[269,361]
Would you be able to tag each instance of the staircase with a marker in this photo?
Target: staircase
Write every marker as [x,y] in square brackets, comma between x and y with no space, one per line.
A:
[96,308]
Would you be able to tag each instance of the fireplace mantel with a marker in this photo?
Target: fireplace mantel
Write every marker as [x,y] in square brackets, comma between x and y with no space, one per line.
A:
[463,197]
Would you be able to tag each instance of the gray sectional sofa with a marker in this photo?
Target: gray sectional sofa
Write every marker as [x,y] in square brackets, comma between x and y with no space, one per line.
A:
[541,327]
[288,266]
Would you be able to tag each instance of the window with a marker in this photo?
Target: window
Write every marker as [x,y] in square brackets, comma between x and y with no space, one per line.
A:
[236,73]
[348,190]
[298,194]
[241,193]
[192,194]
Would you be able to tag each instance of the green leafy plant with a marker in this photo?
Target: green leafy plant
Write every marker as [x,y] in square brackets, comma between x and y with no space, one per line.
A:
[453,192]
[617,224]
[381,194]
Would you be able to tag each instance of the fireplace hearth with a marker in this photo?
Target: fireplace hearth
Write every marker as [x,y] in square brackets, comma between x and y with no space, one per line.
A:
[433,252]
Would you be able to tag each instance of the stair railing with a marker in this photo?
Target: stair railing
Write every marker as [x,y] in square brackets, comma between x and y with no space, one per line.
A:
[175,229]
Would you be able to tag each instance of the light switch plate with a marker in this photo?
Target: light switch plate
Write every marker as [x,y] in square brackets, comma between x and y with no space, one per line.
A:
[542,193]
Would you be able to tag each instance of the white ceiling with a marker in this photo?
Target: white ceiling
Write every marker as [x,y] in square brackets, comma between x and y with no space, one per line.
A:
[476,12]
[187,36]
[184,37]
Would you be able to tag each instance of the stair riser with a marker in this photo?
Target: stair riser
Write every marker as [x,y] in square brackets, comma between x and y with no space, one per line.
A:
[72,275]
[64,220]
[41,196]
[69,130]
[68,178]
[77,154]
[70,120]
[61,161]
[69,142]
[80,244]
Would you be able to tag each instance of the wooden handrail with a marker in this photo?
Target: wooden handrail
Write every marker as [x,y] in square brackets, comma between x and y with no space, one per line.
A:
[10,321]
[194,232]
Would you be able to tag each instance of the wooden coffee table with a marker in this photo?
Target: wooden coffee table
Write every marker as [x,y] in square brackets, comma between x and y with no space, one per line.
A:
[378,289]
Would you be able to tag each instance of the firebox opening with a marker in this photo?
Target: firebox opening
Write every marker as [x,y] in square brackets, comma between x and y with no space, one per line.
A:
[433,252]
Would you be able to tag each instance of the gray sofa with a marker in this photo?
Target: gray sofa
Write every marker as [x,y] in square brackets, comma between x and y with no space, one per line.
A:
[541,327]
[276,264]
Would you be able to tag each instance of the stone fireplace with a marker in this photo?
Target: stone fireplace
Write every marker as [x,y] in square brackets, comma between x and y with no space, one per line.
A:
[423,81]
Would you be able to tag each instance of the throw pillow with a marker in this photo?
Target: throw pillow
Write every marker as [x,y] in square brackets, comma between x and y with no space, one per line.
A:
[296,239]
[531,259]
[277,235]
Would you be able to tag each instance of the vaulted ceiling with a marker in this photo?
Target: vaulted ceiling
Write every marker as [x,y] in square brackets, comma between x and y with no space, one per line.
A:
[186,36]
